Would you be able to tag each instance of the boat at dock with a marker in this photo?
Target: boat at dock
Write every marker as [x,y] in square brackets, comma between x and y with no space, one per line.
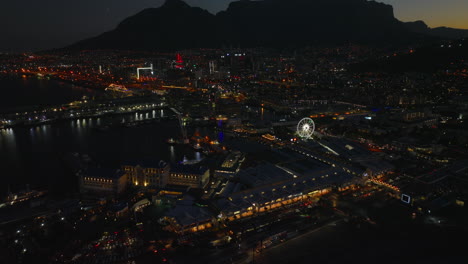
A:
[197,147]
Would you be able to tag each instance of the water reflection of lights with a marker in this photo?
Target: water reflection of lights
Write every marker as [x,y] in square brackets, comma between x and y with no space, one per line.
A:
[8,139]
[46,131]
[220,136]
[172,152]
[6,132]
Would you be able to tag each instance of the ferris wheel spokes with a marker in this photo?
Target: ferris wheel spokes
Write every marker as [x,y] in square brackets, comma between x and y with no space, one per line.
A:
[305,128]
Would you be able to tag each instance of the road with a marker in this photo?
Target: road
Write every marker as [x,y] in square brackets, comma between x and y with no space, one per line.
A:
[249,241]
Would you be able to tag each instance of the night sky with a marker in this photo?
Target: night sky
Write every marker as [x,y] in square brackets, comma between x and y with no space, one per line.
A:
[41,24]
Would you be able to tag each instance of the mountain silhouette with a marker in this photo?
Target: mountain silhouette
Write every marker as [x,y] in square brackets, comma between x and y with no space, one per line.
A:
[445,56]
[441,32]
[268,23]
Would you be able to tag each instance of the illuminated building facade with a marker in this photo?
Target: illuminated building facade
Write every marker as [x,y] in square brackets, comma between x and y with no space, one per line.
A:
[186,217]
[274,187]
[179,62]
[147,173]
[99,180]
[193,176]
[230,166]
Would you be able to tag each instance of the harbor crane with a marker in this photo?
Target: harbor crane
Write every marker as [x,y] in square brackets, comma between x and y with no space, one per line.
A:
[144,68]
[182,126]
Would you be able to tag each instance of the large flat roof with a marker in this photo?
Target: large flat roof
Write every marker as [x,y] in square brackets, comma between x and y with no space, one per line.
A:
[281,189]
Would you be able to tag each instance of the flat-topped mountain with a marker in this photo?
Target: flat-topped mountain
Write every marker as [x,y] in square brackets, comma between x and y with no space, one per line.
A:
[270,23]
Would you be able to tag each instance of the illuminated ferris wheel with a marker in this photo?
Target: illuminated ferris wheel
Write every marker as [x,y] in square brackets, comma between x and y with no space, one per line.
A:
[306,128]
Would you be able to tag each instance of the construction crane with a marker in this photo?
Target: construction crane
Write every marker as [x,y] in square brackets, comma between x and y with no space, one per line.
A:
[144,68]
[183,130]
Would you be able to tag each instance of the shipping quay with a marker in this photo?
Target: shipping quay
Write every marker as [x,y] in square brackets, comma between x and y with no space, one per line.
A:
[80,109]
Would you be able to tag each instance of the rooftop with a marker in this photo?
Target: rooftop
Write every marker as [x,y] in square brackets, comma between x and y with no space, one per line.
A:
[147,163]
[192,168]
[263,174]
[288,188]
[104,173]
[186,213]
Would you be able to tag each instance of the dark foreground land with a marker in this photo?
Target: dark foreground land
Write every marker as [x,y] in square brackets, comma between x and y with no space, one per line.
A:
[392,236]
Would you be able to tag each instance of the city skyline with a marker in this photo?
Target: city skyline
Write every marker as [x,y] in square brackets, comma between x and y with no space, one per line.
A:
[319,128]
[35,27]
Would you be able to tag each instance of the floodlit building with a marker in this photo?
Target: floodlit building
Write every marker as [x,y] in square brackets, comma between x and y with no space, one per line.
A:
[147,173]
[187,217]
[140,205]
[230,165]
[103,180]
[194,175]
[272,187]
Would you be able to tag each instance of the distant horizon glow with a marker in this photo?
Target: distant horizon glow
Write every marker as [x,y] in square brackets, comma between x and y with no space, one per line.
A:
[435,13]
[36,25]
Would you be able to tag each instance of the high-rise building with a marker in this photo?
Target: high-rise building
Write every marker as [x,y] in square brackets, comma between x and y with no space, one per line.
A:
[179,62]
[212,66]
